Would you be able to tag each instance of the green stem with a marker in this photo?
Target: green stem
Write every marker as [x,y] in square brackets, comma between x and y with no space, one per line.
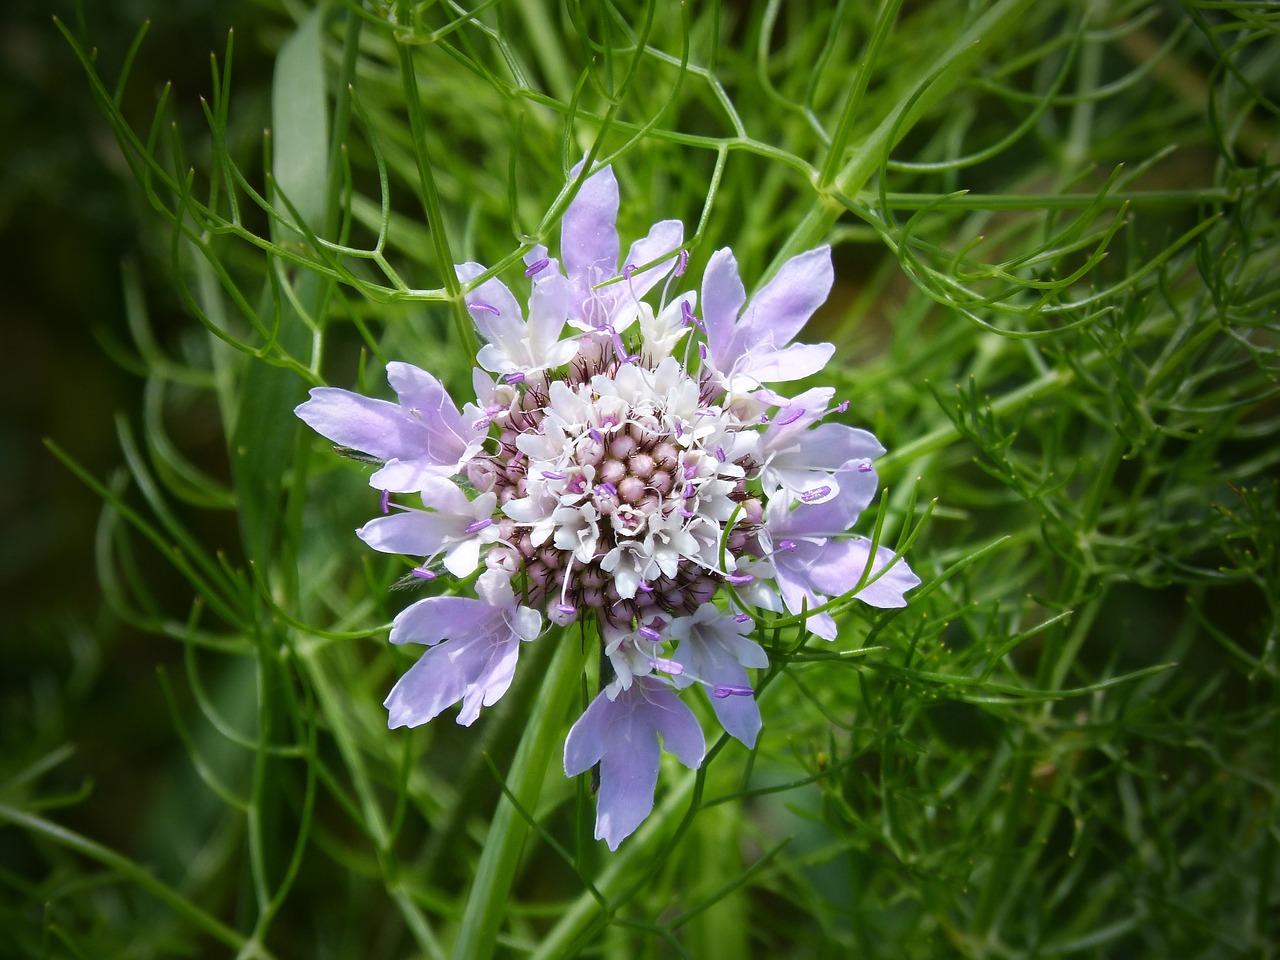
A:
[135,874]
[431,200]
[487,901]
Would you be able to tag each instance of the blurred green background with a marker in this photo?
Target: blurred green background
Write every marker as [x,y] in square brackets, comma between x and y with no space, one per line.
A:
[70,224]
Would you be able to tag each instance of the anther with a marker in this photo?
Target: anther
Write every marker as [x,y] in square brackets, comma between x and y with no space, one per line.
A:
[422,573]
[739,578]
[649,634]
[386,501]
[479,525]
[842,406]
[788,416]
[682,264]
[817,493]
[723,690]
[864,468]
[514,378]
[484,308]
[537,267]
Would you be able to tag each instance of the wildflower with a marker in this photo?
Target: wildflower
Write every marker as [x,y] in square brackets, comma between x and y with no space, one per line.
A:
[608,475]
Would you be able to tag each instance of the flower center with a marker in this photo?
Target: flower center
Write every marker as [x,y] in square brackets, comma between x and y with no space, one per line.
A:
[617,488]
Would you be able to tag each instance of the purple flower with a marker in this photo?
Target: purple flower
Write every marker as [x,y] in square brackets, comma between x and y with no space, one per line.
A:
[589,246]
[750,350]
[644,488]
[803,458]
[622,736]
[517,347]
[420,437]
[476,661]
[817,565]
[715,652]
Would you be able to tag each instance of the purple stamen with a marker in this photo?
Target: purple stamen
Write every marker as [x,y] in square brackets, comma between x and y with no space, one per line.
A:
[649,634]
[788,416]
[595,435]
[683,263]
[679,430]
[644,587]
[568,609]
[864,468]
[606,489]
[787,545]
[484,308]
[702,351]
[537,267]
[479,525]
[631,358]
[842,406]
[686,314]
[690,491]
[422,573]
[742,617]
[482,424]
[553,475]
[723,690]
[739,578]
[513,378]
[666,666]
[817,493]
[687,514]
[386,501]
[628,270]
[720,454]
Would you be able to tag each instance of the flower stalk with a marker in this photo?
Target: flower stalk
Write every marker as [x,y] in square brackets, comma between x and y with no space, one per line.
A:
[489,895]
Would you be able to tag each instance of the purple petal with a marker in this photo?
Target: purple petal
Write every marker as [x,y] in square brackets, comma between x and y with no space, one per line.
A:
[476,670]
[722,298]
[792,572]
[770,365]
[841,566]
[548,310]
[425,401]
[436,618]
[779,311]
[417,533]
[506,327]
[664,237]
[715,652]
[857,488]
[375,427]
[588,232]
[622,736]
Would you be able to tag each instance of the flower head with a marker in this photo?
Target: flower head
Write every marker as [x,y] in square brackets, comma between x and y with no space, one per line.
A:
[610,472]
